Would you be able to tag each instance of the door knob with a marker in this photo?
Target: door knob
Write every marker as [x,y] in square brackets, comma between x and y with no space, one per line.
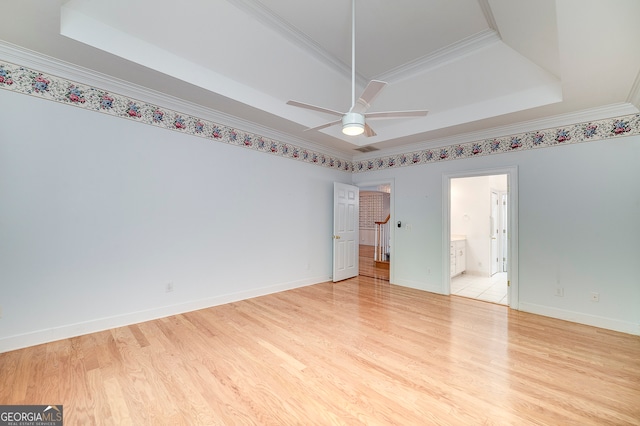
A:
[337,237]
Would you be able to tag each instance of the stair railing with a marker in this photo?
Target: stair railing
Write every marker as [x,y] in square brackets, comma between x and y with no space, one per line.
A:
[382,238]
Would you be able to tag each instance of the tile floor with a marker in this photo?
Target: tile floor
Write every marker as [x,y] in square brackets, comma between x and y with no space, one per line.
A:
[490,289]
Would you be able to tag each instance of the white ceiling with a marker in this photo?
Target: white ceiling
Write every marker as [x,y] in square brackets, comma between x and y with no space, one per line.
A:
[478,66]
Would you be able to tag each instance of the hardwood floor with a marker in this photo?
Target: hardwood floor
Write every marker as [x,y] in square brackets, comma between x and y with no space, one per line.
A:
[360,351]
[367,266]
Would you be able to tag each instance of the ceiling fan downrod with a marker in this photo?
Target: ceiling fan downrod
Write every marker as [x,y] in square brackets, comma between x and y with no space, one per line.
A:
[353,54]
[354,121]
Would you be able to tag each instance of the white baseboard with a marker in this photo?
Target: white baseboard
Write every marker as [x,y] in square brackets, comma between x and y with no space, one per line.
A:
[19,341]
[432,288]
[581,318]
[577,317]
[73,330]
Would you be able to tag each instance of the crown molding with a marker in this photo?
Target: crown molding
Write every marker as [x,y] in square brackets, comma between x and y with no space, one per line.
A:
[291,33]
[596,130]
[31,59]
[441,57]
[621,119]
[584,116]
[634,94]
[488,15]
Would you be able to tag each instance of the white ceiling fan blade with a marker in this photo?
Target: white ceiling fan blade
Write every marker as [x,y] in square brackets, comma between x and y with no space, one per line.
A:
[370,92]
[397,114]
[323,126]
[368,131]
[315,108]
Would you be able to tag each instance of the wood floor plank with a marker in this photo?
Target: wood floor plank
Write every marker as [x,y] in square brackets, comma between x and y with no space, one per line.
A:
[367,267]
[358,352]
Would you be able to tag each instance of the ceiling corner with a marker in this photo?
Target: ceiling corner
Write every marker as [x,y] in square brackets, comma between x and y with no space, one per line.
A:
[634,95]
[488,15]
[291,33]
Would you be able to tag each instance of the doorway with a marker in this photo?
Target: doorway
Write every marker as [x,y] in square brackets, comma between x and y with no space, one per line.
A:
[480,229]
[375,232]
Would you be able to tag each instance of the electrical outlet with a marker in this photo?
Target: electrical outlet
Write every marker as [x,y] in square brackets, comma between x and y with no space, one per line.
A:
[560,292]
[595,297]
[169,287]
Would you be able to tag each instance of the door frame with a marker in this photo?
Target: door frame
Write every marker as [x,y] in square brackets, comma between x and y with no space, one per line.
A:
[392,212]
[504,197]
[494,226]
[512,227]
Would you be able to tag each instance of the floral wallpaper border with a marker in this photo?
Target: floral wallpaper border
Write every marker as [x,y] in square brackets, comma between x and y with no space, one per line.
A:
[30,82]
[583,132]
[27,81]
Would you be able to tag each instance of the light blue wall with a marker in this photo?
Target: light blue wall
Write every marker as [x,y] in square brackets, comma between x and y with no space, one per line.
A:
[98,214]
[579,227]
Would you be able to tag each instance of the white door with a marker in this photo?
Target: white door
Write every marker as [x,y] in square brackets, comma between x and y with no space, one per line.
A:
[495,233]
[503,231]
[346,204]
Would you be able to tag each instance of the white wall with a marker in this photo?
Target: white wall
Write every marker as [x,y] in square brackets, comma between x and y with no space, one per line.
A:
[98,214]
[470,215]
[579,228]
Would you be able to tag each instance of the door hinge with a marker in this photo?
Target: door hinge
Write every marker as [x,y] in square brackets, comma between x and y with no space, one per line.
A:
[508,283]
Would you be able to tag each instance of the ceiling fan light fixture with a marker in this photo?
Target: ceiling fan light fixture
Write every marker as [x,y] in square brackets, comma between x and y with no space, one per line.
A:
[353,124]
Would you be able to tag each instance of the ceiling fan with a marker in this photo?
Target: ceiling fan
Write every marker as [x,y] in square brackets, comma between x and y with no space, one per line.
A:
[354,121]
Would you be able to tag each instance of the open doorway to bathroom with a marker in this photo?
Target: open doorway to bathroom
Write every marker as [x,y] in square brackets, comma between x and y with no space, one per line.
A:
[478,221]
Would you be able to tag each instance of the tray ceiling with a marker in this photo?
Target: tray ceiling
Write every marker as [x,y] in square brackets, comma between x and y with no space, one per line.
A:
[476,65]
